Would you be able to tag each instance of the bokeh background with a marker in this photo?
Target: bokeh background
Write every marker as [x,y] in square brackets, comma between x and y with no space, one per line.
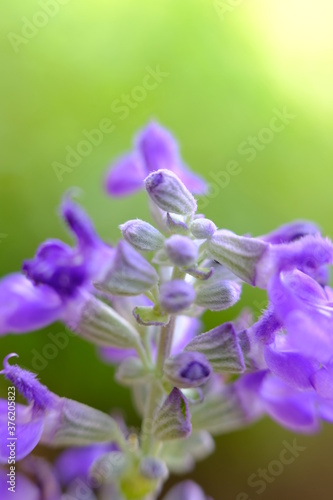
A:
[227,66]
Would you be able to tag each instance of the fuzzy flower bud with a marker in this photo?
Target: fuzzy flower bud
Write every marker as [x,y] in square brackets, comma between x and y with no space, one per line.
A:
[218,295]
[240,254]
[172,420]
[103,326]
[187,369]
[221,347]
[129,274]
[153,468]
[176,295]
[142,236]
[182,251]
[202,228]
[169,193]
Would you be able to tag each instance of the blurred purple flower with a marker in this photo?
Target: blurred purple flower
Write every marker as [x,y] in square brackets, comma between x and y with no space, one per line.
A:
[155,148]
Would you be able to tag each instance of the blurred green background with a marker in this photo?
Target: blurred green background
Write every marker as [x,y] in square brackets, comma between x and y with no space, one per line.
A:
[227,65]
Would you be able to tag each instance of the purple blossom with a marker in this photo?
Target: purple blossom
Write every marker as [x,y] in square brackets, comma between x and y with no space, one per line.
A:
[297,410]
[58,279]
[25,307]
[75,463]
[154,149]
[48,418]
[24,487]
[291,232]
[305,310]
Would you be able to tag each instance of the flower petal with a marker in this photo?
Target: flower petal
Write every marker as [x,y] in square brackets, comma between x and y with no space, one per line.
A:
[25,307]
[126,176]
[290,408]
[28,430]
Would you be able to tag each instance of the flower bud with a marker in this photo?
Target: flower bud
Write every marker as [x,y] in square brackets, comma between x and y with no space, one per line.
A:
[218,295]
[169,193]
[153,468]
[142,236]
[172,420]
[202,228]
[76,424]
[176,295]
[103,326]
[130,273]
[240,254]
[182,251]
[220,346]
[186,489]
[187,369]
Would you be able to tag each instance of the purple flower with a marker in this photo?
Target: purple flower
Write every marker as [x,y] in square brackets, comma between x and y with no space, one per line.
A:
[59,267]
[305,310]
[44,476]
[24,487]
[67,269]
[75,463]
[58,279]
[48,418]
[155,149]
[297,410]
[291,232]
[309,254]
[25,307]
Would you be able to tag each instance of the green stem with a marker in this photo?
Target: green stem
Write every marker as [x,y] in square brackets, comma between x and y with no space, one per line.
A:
[155,393]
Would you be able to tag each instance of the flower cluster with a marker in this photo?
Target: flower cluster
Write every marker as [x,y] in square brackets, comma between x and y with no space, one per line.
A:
[141,302]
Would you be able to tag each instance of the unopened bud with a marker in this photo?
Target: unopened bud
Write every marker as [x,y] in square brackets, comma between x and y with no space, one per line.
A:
[142,236]
[169,193]
[130,273]
[103,326]
[240,254]
[218,295]
[176,295]
[153,468]
[181,250]
[172,420]
[202,228]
